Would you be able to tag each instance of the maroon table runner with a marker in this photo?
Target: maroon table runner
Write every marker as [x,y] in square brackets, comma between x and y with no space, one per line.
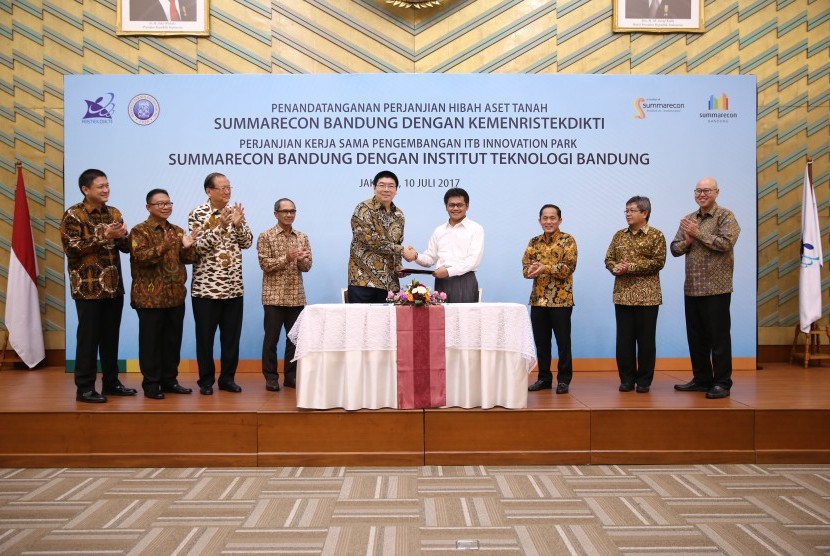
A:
[422,380]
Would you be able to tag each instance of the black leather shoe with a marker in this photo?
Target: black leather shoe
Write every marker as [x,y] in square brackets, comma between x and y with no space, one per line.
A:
[120,390]
[288,383]
[643,389]
[90,397]
[539,385]
[626,387]
[561,388]
[177,389]
[691,386]
[717,391]
[272,385]
[206,390]
[230,387]
[154,394]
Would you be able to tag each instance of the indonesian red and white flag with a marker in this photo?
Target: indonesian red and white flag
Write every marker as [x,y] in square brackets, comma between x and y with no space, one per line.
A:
[812,258]
[22,304]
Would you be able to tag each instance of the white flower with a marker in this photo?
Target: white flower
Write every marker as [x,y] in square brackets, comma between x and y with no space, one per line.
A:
[420,290]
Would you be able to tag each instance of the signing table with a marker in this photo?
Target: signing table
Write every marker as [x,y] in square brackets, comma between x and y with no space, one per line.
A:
[347,355]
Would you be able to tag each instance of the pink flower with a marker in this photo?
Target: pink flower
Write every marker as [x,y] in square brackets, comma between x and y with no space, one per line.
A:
[443,296]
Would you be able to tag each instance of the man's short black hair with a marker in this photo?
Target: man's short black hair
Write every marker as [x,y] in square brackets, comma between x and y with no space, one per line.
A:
[88,176]
[210,177]
[156,191]
[456,192]
[550,206]
[385,174]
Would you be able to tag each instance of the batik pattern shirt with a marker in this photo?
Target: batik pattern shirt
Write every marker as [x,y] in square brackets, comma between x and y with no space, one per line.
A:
[644,253]
[555,286]
[218,272]
[282,280]
[710,259]
[377,235]
[93,259]
[157,263]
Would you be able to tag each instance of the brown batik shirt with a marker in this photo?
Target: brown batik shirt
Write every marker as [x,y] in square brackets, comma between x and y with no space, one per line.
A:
[377,235]
[644,253]
[93,259]
[555,286]
[282,280]
[157,263]
[710,259]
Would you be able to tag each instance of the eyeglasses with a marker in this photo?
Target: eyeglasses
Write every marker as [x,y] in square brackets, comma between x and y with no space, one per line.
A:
[161,204]
[699,192]
[386,186]
[287,211]
[456,205]
[223,189]
[631,211]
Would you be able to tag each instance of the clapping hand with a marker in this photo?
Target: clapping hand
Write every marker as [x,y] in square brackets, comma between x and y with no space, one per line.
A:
[115,230]
[620,268]
[237,215]
[535,269]
[690,229]
[190,239]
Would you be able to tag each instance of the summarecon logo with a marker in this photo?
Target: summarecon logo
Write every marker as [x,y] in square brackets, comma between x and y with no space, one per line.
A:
[717,109]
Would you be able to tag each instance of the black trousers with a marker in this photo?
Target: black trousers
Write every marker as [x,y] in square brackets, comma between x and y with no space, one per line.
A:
[557,320]
[459,289]
[708,330]
[226,314]
[276,318]
[159,346]
[636,343]
[99,323]
[365,294]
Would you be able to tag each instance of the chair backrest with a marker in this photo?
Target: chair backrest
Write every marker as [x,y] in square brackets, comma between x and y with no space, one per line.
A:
[344,295]
[480,294]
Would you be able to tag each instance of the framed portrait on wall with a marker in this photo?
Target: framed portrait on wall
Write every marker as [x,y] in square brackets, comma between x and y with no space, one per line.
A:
[658,16]
[163,17]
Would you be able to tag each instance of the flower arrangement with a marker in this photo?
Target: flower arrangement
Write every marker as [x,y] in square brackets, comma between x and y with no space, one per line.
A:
[416,294]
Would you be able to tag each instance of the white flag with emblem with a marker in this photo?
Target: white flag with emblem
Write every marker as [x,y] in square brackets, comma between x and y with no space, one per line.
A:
[809,279]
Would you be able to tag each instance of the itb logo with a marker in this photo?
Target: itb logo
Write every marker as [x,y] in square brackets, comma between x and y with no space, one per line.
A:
[143,109]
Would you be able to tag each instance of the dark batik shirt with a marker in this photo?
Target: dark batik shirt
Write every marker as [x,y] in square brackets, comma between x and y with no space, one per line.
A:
[555,286]
[377,235]
[644,252]
[710,259]
[157,260]
[93,259]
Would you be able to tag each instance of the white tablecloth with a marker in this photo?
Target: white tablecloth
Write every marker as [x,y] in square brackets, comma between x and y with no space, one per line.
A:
[346,355]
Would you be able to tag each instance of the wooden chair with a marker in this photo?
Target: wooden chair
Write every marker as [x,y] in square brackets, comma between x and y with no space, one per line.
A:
[8,354]
[812,344]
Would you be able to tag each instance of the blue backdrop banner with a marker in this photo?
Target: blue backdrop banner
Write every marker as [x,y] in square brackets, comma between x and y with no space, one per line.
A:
[586,143]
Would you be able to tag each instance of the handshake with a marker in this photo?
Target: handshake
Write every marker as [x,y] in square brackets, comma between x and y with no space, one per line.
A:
[409,253]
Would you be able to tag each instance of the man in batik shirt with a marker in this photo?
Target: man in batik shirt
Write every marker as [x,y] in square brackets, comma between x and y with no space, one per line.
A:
[635,257]
[284,254]
[376,249]
[93,233]
[159,251]
[707,239]
[550,261]
[216,290]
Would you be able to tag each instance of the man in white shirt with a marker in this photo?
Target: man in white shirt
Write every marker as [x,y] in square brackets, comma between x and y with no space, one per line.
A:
[455,248]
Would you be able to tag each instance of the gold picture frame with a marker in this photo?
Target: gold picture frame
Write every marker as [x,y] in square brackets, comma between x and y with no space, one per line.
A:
[157,17]
[658,16]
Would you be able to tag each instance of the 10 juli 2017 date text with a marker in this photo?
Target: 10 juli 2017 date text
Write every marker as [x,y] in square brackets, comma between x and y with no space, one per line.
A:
[420,182]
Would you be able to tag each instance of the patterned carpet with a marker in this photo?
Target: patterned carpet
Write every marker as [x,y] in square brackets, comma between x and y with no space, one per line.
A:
[699,509]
